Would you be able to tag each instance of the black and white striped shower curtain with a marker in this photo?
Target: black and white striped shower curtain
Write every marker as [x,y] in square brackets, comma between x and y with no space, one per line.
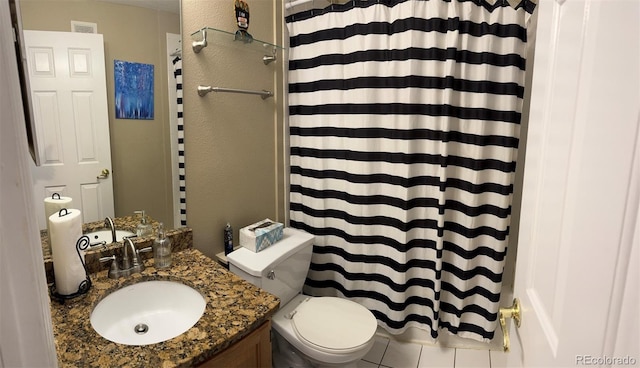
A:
[177,73]
[404,126]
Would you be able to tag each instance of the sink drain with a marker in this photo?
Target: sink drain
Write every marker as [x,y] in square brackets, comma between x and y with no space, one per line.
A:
[141,328]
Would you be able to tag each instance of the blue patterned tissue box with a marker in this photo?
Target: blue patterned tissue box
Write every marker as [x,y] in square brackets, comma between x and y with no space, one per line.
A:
[260,235]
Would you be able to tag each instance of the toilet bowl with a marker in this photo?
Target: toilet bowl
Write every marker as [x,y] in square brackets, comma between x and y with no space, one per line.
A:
[309,331]
[328,331]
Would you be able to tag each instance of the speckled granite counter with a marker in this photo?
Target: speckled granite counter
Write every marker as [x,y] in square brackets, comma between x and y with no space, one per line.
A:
[181,238]
[234,308]
[128,223]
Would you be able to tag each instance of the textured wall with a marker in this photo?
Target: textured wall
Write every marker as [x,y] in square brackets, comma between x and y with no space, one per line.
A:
[233,142]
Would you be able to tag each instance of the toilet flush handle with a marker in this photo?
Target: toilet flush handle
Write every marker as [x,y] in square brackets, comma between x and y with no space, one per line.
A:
[271,275]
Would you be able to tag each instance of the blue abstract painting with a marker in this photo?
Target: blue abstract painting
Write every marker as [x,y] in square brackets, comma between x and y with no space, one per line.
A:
[134,90]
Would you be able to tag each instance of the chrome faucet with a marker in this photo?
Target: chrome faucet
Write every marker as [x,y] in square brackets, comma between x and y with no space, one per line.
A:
[108,222]
[130,264]
[126,261]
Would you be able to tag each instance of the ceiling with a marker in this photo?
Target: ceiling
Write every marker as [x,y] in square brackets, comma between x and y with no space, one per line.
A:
[172,6]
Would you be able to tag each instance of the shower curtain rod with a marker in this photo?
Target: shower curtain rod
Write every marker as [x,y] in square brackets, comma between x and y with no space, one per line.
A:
[294,3]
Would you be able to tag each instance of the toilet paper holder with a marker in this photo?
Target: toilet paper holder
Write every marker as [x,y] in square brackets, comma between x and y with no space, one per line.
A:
[81,244]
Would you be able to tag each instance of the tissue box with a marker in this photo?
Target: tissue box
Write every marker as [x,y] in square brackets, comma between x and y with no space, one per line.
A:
[260,235]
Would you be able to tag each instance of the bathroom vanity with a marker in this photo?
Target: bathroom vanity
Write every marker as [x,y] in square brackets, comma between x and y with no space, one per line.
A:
[234,330]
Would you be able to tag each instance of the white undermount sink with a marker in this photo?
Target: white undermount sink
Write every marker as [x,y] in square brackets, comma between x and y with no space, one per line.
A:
[147,312]
[105,235]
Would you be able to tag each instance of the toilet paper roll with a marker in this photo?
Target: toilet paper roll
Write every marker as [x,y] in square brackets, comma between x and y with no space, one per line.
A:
[54,204]
[67,267]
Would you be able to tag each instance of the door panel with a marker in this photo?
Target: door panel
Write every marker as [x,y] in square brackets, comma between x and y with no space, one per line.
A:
[45,111]
[68,86]
[581,187]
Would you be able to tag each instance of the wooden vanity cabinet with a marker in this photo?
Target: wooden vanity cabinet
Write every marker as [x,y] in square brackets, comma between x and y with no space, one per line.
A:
[254,350]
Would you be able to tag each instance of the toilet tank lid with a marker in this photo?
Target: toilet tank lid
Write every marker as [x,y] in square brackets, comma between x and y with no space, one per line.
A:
[255,263]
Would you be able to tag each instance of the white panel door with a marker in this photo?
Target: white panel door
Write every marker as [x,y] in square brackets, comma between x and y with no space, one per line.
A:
[581,191]
[69,93]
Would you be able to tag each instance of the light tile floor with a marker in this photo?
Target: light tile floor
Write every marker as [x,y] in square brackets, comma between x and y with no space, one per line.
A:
[393,354]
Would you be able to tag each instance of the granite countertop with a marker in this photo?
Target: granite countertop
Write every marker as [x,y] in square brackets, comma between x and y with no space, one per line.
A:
[128,223]
[181,238]
[234,309]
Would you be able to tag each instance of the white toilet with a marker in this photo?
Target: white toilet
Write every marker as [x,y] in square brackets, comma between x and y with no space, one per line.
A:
[309,331]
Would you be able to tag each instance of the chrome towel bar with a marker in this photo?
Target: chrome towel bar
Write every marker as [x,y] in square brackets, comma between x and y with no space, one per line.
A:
[203,90]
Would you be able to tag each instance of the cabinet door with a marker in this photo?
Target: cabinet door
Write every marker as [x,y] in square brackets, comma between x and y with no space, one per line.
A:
[254,350]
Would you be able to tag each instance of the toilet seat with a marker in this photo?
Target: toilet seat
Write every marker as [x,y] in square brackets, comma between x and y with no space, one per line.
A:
[333,325]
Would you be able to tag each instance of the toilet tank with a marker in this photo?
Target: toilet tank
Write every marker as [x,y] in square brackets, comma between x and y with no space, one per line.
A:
[280,269]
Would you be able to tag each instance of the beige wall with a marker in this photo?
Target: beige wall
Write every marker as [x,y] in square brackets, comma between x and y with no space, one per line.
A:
[140,149]
[233,142]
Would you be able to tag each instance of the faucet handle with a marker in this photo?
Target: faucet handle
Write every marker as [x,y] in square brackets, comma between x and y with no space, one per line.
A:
[137,261]
[106,259]
[114,272]
[103,244]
